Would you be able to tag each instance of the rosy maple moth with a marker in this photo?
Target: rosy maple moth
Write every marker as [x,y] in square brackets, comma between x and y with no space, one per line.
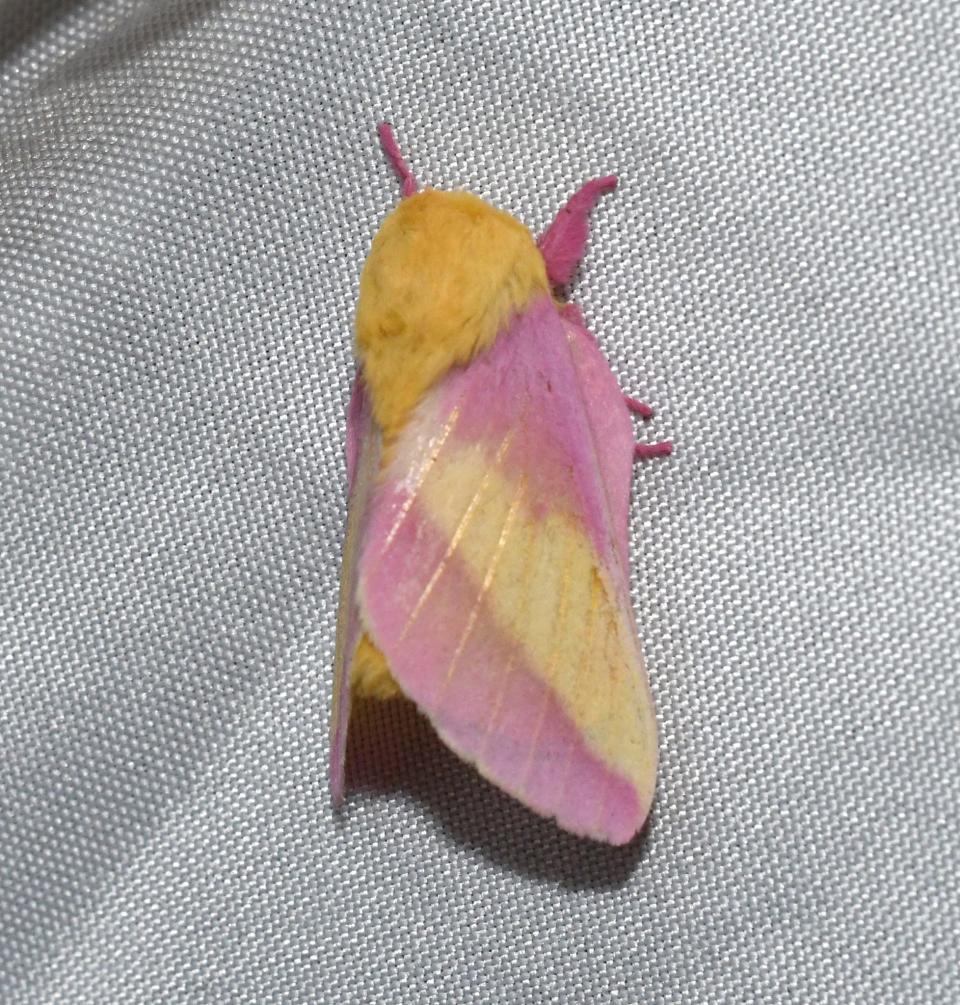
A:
[489,457]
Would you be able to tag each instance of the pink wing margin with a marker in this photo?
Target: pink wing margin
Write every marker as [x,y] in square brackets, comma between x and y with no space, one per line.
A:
[545,411]
[363,462]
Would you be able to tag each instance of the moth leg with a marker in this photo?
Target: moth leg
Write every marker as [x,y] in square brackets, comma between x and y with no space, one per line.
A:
[646,451]
[638,407]
[563,242]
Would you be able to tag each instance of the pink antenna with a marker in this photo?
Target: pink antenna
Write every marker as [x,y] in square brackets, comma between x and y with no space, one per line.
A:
[563,243]
[389,143]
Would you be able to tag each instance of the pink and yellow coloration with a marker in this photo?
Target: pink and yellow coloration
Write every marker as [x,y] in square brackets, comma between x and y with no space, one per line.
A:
[490,458]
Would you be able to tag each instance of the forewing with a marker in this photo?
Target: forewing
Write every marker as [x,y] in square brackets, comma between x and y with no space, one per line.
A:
[492,576]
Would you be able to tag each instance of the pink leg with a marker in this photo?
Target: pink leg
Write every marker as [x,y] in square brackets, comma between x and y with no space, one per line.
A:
[645,451]
[391,148]
[638,407]
[563,241]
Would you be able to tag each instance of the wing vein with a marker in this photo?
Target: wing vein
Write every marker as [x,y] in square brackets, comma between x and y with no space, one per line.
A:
[457,534]
[507,671]
[431,459]
[591,632]
[559,620]
[568,335]
[485,586]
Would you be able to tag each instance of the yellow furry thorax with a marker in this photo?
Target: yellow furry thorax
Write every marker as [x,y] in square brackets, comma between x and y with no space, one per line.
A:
[445,273]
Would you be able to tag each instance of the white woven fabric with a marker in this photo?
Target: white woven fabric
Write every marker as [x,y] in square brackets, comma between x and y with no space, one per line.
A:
[187,192]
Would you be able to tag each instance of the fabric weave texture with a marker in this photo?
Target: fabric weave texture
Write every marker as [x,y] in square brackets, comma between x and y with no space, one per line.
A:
[187,194]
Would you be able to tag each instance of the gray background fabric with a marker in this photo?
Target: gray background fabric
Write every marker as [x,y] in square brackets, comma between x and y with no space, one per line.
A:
[187,193]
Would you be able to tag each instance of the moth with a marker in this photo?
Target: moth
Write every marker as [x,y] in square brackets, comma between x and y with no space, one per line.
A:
[489,457]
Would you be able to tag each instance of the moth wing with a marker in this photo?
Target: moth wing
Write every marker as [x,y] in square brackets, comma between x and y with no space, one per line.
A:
[363,461]
[493,576]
